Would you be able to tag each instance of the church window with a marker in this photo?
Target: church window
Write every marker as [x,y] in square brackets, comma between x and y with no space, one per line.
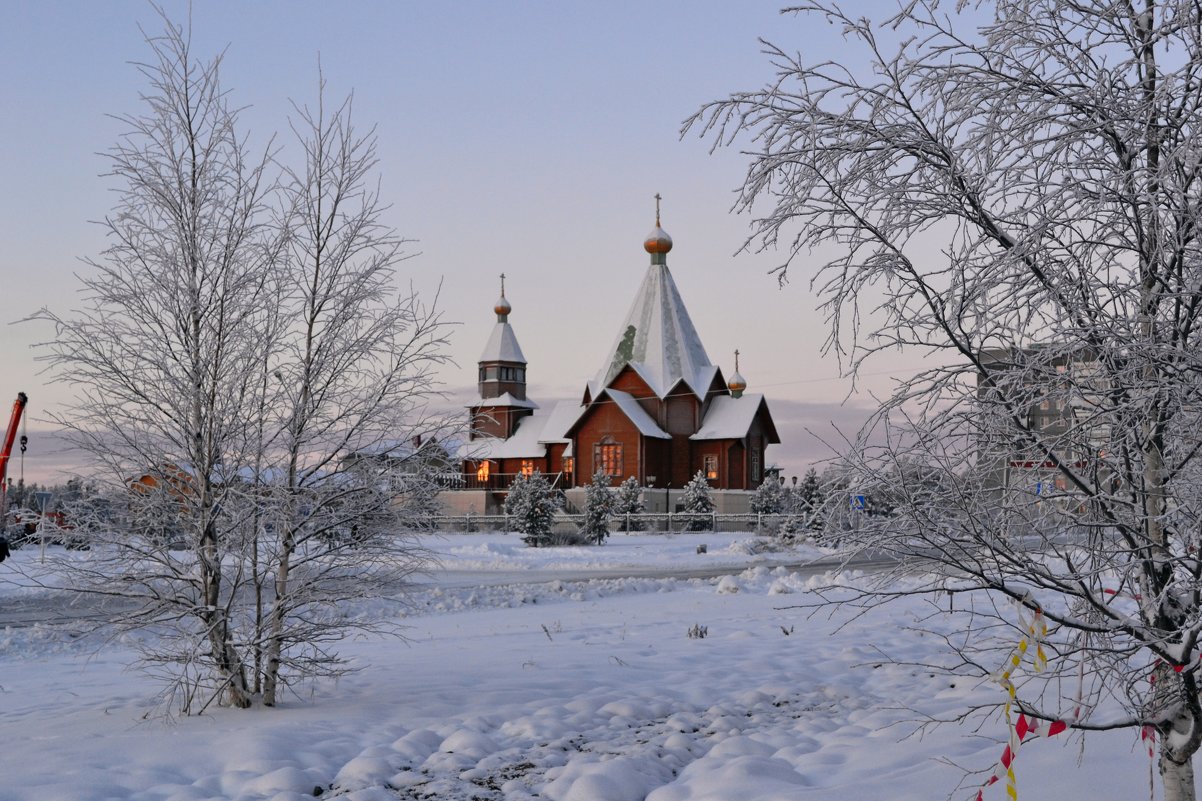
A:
[506,373]
[482,373]
[527,467]
[569,465]
[755,466]
[482,472]
[607,457]
[711,467]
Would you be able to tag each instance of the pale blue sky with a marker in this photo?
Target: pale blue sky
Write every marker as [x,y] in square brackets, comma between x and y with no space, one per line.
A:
[525,138]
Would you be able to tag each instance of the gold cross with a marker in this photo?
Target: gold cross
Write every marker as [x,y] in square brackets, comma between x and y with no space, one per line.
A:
[736,361]
[502,284]
[657,199]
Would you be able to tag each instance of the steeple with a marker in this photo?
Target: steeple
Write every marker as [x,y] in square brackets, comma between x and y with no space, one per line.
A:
[502,364]
[658,338]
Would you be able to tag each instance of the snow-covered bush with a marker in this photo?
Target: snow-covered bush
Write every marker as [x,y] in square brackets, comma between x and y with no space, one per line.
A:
[532,504]
[628,504]
[698,504]
[598,509]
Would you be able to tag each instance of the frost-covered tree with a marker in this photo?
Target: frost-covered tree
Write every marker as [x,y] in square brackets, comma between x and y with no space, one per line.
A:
[531,505]
[697,503]
[810,489]
[352,372]
[167,345]
[1014,189]
[770,497]
[599,505]
[629,504]
[236,346]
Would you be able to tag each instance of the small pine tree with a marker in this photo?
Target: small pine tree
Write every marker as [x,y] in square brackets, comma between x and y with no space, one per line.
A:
[628,503]
[769,498]
[532,505]
[599,504]
[814,496]
[698,503]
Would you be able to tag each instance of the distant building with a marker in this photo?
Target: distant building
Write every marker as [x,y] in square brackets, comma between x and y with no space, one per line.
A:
[1056,393]
[657,410]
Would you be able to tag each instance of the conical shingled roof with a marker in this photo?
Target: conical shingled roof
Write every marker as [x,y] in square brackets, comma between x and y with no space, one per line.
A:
[658,339]
[502,346]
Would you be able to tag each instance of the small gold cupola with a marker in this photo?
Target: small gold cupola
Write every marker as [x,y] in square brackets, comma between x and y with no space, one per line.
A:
[502,307]
[737,383]
[658,243]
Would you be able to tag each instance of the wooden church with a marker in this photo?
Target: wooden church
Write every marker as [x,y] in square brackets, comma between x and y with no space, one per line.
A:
[657,409]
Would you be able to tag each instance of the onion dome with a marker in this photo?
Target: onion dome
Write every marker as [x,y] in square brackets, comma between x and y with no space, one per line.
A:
[657,241]
[502,307]
[737,382]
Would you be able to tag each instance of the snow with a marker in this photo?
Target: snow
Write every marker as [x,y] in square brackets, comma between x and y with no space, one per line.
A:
[502,346]
[664,345]
[562,674]
[636,414]
[729,417]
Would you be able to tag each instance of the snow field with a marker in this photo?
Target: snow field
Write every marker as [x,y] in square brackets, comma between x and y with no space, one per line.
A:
[568,690]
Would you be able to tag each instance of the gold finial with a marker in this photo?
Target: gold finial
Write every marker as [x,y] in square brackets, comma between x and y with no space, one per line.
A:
[736,360]
[657,200]
[502,284]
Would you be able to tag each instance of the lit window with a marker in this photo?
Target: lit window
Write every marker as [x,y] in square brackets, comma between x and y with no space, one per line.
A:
[482,472]
[711,467]
[569,465]
[607,457]
[527,467]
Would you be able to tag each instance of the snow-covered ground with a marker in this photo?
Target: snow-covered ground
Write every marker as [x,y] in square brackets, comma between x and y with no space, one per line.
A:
[527,676]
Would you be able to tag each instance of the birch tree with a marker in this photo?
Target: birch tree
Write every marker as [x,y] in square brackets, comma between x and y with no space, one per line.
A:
[250,385]
[353,375]
[1019,197]
[165,345]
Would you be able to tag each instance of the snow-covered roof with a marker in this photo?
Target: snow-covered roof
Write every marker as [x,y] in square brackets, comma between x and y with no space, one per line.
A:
[559,420]
[505,399]
[729,417]
[637,414]
[530,439]
[502,346]
[659,340]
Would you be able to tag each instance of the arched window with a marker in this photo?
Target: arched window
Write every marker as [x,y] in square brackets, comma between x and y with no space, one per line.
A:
[607,457]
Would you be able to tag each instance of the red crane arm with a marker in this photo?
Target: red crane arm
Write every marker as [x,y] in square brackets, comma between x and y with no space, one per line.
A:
[13,424]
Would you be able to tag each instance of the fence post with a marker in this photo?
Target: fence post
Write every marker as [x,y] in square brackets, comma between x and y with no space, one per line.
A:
[759,522]
[468,527]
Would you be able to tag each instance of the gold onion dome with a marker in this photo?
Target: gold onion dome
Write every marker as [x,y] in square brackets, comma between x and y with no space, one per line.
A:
[502,306]
[658,240]
[737,382]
